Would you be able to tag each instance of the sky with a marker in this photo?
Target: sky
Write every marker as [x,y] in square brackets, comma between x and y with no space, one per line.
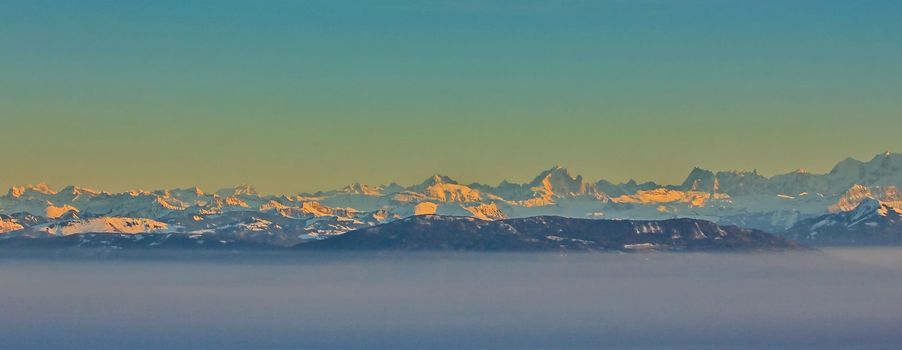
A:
[297,96]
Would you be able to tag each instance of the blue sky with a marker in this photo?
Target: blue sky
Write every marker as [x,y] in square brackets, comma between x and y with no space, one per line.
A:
[305,95]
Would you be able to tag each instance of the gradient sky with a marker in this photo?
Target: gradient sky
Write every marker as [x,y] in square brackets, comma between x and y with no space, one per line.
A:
[305,95]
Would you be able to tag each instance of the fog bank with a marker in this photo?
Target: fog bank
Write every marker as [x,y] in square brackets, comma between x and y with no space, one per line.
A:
[838,299]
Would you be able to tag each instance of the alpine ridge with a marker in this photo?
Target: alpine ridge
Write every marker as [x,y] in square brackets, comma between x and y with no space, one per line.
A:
[780,204]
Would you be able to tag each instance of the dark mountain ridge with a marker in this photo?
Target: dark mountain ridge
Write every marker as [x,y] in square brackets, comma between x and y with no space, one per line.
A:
[551,233]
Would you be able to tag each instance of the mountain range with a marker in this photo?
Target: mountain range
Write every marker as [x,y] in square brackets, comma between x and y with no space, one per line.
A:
[550,233]
[795,205]
[870,223]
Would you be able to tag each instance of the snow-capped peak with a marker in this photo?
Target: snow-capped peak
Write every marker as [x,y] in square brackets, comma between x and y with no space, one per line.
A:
[438,179]
[557,181]
[557,172]
[433,181]
[866,208]
[39,188]
[699,180]
[8,224]
[358,188]
[196,191]
[240,190]
[55,212]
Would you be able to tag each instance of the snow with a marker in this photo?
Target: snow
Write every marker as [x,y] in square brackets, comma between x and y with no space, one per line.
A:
[859,188]
[648,228]
[425,208]
[640,246]
[118,225]
[9,225]
[54,212]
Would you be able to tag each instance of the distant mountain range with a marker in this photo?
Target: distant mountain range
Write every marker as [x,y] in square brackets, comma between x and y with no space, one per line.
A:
[550,233]
[871,223]
[798,205]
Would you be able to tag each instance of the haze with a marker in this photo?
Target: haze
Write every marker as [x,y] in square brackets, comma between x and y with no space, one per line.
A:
[839,299]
